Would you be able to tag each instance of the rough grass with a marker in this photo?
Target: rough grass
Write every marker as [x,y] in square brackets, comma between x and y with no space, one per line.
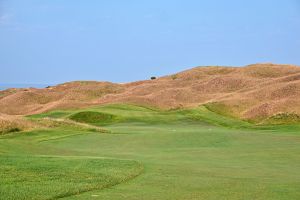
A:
[67,124]
[8,127]
[283,118]
[10,124]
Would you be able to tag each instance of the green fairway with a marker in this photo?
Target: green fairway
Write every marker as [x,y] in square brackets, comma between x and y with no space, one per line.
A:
[151,154]
[25,177]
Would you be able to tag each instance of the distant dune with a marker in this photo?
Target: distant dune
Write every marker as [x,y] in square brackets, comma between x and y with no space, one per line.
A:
[19,85]
[256,92]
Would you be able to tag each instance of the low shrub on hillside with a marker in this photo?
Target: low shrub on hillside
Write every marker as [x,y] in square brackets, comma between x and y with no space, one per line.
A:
[174,76]
[284,118]
[9,124]
[8,127]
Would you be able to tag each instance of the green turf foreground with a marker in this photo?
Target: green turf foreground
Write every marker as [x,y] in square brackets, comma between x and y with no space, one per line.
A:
[151,154]
[25,177]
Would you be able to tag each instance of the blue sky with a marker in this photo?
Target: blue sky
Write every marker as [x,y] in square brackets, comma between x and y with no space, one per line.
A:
[54,41]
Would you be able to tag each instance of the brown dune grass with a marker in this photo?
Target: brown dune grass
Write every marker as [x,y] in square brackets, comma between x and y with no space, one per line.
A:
[10,124]
[254,92]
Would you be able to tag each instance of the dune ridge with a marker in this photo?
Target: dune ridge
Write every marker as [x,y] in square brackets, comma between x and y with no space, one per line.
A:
[255,92]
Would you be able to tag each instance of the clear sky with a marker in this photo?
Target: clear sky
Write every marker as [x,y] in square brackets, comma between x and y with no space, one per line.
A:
[54,41]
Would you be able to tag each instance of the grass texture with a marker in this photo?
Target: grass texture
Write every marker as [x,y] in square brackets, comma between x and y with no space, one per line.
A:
[151,154]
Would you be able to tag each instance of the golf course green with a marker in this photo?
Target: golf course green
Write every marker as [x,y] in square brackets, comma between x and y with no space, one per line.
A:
[146,153]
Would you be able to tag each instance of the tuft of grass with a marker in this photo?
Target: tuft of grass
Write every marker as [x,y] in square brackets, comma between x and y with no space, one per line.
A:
[15,125]
[15,129]
[10,130]
[283,118]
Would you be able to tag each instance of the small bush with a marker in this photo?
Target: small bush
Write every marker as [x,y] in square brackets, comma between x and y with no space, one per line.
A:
[174,76]
[11,130]
[153,77]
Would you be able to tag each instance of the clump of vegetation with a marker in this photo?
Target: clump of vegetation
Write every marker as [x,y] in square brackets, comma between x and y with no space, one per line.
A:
[14,125]
[153,78]
[9,130]
[93,117]
[174,76]
[13,129]
[284,118]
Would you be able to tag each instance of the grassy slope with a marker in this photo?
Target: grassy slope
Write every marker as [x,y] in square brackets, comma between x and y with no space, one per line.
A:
[187,154]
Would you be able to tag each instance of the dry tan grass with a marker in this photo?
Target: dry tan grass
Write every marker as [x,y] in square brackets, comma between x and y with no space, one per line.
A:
[66,123]
[15,123]
[251,92]
[67,95]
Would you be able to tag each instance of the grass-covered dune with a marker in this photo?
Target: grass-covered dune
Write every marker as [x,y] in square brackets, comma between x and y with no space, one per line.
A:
[147,153]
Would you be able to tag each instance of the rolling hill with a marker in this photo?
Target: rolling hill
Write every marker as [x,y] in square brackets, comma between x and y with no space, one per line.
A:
[259,93]
[205,133]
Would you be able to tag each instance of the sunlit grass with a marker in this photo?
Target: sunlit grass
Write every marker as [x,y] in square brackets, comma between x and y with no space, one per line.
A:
[26,177]
[184,154]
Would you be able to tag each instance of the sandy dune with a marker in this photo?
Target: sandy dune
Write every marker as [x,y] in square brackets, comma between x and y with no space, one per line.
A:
[251,92]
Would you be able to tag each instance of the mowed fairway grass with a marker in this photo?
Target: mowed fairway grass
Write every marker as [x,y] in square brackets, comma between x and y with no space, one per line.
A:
[151,154]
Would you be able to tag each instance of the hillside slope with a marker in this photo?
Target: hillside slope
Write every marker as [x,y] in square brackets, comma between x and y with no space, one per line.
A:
[256,92]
